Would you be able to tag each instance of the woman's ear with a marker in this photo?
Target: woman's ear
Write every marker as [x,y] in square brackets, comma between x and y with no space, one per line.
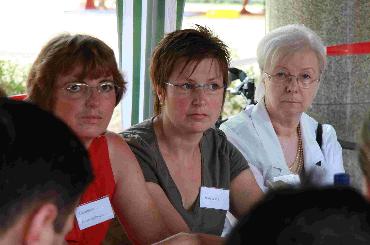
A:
[160,94]
[41,225]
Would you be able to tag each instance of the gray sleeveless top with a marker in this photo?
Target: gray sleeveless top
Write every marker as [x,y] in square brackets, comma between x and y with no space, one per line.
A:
[221,162]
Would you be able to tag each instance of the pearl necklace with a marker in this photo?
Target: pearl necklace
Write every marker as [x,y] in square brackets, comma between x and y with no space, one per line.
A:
[297,165]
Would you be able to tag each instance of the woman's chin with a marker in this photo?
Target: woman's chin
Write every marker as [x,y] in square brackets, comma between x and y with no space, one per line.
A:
[199,128]
[90,133]
[292,113]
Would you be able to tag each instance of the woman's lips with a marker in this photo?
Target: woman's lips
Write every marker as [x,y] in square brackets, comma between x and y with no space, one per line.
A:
[291,101]
[198,116]
[92,119]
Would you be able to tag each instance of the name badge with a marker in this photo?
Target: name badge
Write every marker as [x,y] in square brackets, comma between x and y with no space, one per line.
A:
[214,198]
[94,213]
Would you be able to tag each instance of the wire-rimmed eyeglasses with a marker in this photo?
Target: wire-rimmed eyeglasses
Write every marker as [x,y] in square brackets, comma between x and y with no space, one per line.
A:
[78,90]
[187,88]
[304,80]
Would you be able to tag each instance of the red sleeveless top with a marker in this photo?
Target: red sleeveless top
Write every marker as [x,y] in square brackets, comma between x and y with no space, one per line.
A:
[103,185]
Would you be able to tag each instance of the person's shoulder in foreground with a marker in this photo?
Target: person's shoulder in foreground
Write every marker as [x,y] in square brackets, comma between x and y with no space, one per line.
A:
[329,215]
[44,168]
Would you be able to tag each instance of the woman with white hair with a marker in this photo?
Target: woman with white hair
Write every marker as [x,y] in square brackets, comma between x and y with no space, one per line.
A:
[276,136]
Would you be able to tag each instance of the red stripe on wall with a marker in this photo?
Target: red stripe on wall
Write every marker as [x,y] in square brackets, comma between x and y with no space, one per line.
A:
[349,49]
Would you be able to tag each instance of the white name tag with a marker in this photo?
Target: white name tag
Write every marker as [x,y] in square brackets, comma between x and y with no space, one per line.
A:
[214,198]
[291,179]
[94,213]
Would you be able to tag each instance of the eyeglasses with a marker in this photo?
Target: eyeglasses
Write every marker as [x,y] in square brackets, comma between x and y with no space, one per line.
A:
[304,80]
[187,88]
[78,90]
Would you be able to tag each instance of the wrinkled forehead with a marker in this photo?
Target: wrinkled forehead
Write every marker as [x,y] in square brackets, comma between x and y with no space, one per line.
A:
[284,53]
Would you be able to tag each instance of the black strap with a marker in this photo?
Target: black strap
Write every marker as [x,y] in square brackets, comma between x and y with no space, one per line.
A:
[344,144]
[319,134]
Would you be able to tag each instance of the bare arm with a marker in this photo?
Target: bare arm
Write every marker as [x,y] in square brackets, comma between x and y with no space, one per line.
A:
[192,239]
[132,202]
[170,215]
[174,220]
[244,192]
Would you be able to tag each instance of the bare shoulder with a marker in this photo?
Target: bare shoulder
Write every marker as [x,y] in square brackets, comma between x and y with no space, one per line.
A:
[118,146]
[116,142]
[121,157]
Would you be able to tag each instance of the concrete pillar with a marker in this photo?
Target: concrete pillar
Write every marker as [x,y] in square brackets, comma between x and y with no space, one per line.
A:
[344,95]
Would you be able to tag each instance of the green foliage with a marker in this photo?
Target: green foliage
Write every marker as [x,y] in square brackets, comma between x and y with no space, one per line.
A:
[13,77]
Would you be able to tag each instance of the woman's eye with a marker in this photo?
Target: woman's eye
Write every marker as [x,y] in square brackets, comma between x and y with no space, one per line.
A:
[74,87]
[106,87]
[306,76]
[187,86]
[214,86]
[281,74]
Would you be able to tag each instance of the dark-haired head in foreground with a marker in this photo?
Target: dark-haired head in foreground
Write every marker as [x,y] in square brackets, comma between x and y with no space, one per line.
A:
[43,171]
[306,216]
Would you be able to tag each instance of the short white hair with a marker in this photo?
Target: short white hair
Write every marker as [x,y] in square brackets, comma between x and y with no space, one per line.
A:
[283,41]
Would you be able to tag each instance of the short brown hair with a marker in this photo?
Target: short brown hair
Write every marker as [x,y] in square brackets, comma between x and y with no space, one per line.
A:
[186,45]
[61,55]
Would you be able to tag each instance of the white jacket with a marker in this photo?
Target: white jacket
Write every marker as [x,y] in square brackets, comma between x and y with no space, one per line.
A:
[251,131]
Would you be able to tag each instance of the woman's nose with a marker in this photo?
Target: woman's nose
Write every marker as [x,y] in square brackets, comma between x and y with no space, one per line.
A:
[92,97]
[199,95]
[292,85]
